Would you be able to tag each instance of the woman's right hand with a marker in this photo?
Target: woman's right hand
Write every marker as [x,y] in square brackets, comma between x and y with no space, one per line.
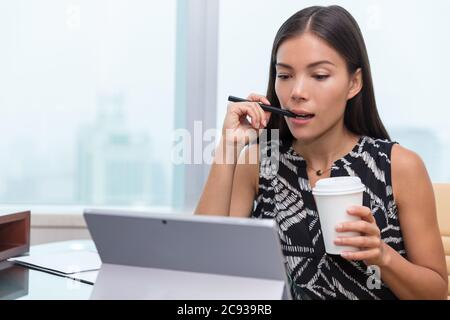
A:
[237,129]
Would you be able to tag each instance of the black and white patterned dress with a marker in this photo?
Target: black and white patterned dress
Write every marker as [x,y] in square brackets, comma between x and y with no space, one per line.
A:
[285,195]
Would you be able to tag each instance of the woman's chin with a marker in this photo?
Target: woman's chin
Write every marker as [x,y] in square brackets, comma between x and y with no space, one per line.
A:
[303,135]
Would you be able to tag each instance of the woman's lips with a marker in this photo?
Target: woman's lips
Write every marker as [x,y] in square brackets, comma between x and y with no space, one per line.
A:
[300,121]
[303,117]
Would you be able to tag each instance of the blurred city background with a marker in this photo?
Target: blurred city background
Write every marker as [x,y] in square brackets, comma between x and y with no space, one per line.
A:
[88,89]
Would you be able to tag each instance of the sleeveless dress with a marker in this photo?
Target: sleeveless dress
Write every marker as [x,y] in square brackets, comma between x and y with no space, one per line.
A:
[285,195]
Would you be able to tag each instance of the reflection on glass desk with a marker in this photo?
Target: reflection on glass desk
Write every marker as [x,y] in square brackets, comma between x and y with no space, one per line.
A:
[18,282]
[13,281]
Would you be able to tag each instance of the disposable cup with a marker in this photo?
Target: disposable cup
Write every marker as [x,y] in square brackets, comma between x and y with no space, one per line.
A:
[333,197]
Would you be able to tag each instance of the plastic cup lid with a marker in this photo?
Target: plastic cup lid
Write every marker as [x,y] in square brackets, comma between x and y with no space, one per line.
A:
[338,185]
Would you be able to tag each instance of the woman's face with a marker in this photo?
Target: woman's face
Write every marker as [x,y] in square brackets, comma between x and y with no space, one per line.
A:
[312,79]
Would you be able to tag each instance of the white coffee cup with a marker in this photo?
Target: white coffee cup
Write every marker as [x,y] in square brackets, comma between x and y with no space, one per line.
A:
[333,197]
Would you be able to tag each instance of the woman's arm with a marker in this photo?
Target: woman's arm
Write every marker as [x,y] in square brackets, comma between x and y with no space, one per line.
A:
[245,183]
[227,177]
[231,186]
[216,196]
[423,274]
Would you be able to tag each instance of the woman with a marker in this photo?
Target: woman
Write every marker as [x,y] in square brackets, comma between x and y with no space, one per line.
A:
[320,71]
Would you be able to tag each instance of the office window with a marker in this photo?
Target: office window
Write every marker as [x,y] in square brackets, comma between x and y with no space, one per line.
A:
[408,50]
[87,102]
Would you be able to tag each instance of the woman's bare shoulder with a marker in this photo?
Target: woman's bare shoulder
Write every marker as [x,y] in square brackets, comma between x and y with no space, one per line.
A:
[406,162]
[410,178]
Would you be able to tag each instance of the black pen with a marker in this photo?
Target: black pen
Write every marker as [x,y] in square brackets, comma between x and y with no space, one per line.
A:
[265,107]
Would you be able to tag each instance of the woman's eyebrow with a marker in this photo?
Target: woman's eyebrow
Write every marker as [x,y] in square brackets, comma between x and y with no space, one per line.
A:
[309,66]
[283,65]
[315,64]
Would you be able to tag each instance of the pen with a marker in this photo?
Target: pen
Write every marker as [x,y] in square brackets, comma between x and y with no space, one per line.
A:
[266,107]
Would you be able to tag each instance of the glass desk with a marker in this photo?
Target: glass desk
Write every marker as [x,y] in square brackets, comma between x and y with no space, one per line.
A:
[21,283]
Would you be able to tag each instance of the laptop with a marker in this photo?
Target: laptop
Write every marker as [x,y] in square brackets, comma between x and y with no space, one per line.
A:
[170,256]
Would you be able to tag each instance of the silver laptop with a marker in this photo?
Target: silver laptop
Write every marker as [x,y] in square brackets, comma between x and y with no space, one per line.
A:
[179,251]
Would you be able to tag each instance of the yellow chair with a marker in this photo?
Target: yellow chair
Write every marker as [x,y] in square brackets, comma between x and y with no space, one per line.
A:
[442,195]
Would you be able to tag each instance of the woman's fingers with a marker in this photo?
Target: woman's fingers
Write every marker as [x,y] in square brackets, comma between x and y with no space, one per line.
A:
[258,98]
[362,255]
[260,115]
[242,110]
[369,242]
[359,242]
[245,120]
[359,226]
[363,212]
[265,116]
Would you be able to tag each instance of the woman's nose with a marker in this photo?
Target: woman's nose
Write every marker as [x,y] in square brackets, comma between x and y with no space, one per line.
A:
[299,91]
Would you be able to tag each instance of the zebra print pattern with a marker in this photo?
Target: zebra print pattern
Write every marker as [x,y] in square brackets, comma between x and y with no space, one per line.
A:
[286,196]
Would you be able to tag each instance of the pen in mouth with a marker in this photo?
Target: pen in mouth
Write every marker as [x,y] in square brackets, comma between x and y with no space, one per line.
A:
[266,107]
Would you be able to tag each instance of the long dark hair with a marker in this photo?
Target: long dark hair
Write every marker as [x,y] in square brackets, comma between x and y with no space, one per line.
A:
[339,29]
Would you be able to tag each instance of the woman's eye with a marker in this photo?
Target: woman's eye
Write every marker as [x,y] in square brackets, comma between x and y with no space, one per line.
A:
[321,77]
[283,76]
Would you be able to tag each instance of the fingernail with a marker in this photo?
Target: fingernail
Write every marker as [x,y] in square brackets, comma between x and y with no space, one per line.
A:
[345,254]
[351,209]
[265,123]
[337,240]
[339,227]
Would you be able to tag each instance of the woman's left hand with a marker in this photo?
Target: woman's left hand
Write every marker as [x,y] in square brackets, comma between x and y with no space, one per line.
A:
[372,248]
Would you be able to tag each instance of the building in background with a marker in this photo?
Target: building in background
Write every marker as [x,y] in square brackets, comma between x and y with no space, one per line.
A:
[116,165]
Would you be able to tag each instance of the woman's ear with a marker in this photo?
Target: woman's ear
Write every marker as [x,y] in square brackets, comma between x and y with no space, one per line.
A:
[356,84]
